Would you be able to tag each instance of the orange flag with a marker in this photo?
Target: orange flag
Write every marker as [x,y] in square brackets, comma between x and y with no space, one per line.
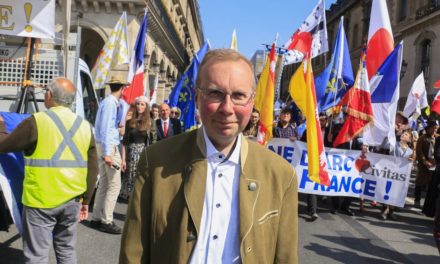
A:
[264,98]
[302,91]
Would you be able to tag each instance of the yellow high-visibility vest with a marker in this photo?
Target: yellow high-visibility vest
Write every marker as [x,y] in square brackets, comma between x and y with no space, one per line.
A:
[57,170]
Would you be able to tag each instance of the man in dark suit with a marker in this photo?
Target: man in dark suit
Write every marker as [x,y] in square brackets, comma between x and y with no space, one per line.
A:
[166,126]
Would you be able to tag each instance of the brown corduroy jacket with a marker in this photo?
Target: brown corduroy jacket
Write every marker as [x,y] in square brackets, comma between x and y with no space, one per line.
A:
[165,210]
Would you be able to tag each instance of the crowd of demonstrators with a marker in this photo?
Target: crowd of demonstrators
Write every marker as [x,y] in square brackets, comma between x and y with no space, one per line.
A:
[420,149]
[57,187]
[174,178]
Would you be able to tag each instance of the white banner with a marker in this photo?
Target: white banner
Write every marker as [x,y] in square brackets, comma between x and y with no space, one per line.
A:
[28,18]
[374,177]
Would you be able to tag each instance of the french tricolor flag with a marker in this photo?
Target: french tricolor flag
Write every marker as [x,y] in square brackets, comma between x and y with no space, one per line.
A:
[380,37]
[136,70]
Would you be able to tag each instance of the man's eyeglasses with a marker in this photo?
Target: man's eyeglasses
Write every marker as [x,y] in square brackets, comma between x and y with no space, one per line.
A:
[215,95]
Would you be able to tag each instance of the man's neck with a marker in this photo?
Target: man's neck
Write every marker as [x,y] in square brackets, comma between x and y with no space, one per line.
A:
[117,94]
[284,124]
[226,149]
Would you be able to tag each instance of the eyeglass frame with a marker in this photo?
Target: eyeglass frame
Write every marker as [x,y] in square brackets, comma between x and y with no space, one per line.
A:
[203,90]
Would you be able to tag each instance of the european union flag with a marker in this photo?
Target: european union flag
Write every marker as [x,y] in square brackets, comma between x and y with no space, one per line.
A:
[337,78]
[183,94]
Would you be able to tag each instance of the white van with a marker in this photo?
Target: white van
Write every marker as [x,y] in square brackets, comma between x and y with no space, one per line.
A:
[47,65]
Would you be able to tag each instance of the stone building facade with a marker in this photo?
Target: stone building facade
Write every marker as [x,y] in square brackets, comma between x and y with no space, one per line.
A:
[174,34]
[417,23]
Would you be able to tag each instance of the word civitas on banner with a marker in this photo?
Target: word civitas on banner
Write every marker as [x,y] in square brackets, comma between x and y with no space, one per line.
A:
[362,182]
[354,183]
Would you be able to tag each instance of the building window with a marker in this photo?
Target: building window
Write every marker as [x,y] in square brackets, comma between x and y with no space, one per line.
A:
[355,40]
[347,25]
[403,10]
[425,58]
[366,20]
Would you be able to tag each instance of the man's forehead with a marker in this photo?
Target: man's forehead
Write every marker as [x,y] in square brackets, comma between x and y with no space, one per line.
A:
[211,67]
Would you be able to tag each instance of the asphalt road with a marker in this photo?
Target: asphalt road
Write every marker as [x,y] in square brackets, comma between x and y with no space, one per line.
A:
[364,238]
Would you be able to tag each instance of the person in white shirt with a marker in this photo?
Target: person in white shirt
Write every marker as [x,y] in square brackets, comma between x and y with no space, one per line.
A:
[210,195]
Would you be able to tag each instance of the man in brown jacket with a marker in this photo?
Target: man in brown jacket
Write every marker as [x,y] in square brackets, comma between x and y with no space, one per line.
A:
[210,195]
[425,160]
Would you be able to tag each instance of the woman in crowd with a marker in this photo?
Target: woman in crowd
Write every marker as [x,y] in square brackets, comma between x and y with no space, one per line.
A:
[175,112]
[403,150]
[251,130]
[139,132]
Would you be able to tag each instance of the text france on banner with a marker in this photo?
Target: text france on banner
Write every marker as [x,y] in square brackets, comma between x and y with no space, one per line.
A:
[31,18]
[375,177]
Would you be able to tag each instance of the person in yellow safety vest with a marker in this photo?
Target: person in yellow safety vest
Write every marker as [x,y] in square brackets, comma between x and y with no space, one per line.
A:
[60,173]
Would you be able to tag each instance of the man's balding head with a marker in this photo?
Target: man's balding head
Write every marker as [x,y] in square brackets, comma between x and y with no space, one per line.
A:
[62,92]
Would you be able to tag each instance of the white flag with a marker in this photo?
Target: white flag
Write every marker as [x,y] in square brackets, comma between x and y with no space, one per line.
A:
[114,52]
[315,24]
[234,41]
[417,98]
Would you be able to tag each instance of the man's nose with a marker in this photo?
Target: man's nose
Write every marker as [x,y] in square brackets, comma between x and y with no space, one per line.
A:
[227,104]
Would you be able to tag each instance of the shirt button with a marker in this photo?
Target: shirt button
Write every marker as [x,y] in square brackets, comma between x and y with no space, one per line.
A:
[220,156]
[220,175]
[214,237]
[217,205]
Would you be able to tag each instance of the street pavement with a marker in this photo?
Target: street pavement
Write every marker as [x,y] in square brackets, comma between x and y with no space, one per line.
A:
[364,238]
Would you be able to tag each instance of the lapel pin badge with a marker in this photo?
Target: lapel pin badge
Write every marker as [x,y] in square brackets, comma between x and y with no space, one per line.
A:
[252,186]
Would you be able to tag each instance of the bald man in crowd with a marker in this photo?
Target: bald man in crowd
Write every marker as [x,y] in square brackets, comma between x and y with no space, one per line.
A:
[167,126]
[60,174]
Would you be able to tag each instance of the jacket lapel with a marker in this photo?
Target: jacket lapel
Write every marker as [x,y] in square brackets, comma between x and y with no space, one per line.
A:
[170,128]
[195,181]
[249,190]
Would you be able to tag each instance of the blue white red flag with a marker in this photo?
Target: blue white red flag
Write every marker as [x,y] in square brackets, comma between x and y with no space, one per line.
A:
[183,94]
[333,83]
[12,172]
[136,70]
[380,37]
[385,86]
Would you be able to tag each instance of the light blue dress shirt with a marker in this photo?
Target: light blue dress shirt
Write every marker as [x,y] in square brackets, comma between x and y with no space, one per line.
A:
[106,124]
[219,239]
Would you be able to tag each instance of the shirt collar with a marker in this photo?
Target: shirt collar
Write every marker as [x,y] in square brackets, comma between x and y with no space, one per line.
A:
[212,152]
[115,99]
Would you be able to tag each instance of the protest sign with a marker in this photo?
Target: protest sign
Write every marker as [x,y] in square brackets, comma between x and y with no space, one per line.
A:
[376,177]
[31,18]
